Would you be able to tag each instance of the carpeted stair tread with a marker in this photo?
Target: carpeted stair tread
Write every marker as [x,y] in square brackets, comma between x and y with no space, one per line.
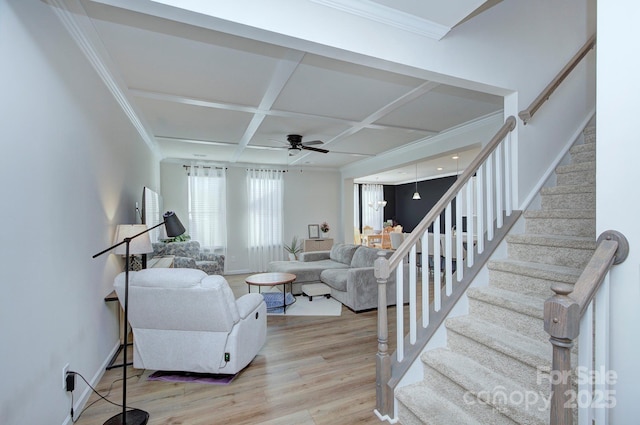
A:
[589,134]
[429,408]
[577,242]
[583,147]
[484,384]
[525,304]
[520,347]
[566,189]
[538,270]
[561,222]
[566,214]
[583,153]
[561,250]
[576,167]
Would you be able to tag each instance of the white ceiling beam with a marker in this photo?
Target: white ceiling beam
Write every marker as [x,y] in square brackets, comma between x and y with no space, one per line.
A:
[165,97]
[389,107]
[285,69]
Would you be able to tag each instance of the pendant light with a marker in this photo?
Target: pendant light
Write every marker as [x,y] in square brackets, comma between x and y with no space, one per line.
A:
[416,195]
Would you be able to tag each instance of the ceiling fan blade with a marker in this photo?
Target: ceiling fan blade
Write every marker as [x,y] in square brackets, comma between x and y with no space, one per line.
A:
[313,142]
[310,148]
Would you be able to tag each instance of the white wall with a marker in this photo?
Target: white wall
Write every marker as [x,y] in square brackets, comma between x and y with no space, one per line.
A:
[310,197]
[72,168]
[618,149]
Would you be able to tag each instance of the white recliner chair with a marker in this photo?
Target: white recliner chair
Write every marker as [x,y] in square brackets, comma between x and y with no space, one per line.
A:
[186,320]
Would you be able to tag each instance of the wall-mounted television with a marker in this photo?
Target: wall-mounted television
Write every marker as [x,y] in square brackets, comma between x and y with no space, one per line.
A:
[152,212]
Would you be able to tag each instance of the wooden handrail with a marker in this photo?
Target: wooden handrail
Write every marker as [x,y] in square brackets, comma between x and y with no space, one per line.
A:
[470,171]
[563,311]
[526,114]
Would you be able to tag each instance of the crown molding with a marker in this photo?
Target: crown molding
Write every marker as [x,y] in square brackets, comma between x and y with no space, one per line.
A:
[74,18]
[386,15]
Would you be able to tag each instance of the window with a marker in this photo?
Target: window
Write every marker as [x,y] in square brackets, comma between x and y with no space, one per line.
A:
[207,207]
[372,213]
[265,194]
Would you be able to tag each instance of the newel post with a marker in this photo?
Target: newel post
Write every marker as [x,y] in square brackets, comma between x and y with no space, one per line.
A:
[562,323]
[384,397]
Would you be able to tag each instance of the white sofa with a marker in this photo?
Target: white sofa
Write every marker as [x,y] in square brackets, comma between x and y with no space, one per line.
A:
[186,320]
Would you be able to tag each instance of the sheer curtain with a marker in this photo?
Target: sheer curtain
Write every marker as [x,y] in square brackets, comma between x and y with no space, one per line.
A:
[372,193]
[207,188]
[356,206]
[265,192]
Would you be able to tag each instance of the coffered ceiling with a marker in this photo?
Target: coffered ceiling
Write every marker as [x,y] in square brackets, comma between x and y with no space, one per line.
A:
[206,95]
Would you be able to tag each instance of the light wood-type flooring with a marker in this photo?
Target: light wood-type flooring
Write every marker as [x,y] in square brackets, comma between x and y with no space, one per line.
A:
[312,370]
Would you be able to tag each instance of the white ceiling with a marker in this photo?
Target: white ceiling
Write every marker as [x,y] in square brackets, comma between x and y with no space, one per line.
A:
[210,96]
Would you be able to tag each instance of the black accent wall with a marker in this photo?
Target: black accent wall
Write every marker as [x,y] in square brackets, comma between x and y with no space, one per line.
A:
[407,211]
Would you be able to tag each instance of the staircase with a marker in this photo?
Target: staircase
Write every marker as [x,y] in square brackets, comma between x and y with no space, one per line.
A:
[495,367]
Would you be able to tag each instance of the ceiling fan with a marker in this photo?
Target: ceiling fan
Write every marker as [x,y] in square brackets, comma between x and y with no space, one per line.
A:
[296,145]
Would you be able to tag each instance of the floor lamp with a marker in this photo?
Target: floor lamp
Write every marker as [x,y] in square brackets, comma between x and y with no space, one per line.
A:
[126,235]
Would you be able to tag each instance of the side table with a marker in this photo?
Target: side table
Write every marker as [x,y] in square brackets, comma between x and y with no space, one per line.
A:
[165,261]
[317,244]
[123,338]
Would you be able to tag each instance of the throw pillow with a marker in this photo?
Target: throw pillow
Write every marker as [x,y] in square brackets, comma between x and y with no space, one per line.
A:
[343,253]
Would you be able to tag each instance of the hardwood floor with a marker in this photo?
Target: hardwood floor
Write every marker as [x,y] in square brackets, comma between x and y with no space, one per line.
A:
[312,370]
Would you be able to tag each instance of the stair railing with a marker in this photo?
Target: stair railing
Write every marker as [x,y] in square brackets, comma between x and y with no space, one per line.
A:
[583,310]
[526,114]
[483,193]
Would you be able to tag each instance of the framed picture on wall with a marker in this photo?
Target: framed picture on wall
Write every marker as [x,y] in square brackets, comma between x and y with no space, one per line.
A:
[314,231]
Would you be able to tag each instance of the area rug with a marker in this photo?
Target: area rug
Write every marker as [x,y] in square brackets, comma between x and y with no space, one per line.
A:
[320,306]
[274,301]
[200,378]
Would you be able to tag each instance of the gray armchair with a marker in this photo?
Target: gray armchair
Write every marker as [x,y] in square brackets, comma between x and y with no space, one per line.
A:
[189,255]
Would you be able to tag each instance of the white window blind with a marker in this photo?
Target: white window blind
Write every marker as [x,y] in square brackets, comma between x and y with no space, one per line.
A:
[207,188]
[265,193]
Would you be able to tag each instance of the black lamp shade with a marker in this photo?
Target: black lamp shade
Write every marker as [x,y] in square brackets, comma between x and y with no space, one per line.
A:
[172,224]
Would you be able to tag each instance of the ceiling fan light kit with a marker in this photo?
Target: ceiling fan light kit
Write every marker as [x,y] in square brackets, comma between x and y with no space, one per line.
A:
[293,151]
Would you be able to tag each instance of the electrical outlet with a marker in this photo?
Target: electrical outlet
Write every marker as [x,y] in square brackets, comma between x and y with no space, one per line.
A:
[65,369]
